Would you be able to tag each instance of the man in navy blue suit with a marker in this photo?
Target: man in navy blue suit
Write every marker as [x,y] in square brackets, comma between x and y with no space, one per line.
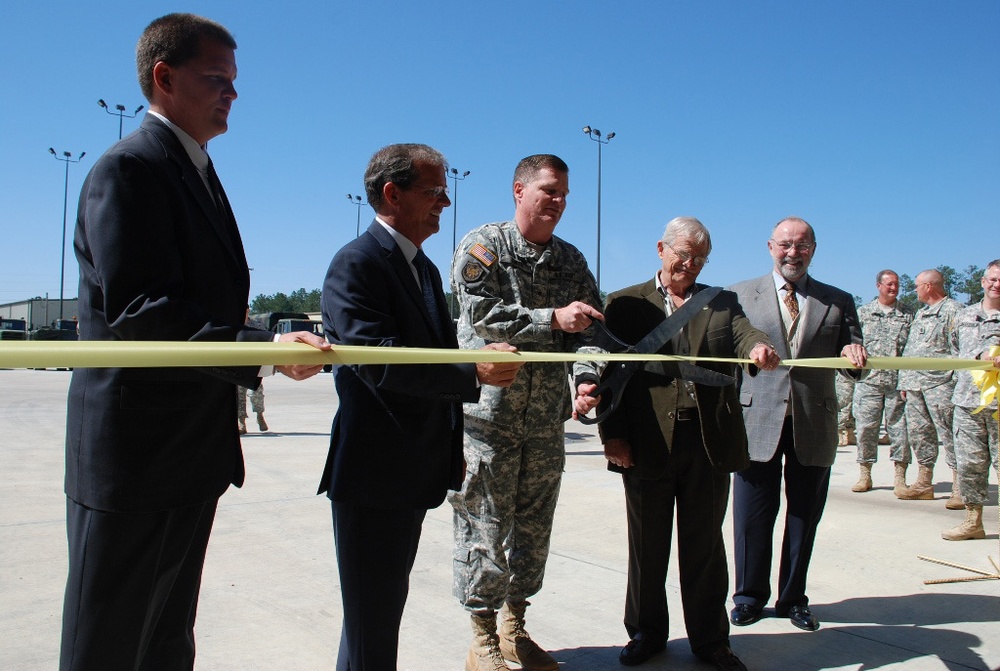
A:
[396,442]
[149,451]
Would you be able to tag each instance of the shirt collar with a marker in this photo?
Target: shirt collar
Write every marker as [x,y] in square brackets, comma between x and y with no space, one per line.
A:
[197,153]
[405,245]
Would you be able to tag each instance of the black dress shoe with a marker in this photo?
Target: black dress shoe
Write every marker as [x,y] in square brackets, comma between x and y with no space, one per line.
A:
[640,649]
[745,614]
[803,618]
[722,658]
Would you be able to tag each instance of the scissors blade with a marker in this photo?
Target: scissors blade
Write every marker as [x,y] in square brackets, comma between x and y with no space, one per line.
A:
[685,370]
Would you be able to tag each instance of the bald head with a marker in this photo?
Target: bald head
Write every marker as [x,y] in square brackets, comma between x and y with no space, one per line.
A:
[930,286]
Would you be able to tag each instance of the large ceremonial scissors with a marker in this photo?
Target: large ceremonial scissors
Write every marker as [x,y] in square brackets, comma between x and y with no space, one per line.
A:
[618,374]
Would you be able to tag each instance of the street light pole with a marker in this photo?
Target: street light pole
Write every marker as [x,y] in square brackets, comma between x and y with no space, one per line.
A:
[456,178]
[356,200]
[120,113]
[66,158]
[595,135]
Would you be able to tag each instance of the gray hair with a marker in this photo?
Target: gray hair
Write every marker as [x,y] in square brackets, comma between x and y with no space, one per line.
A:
[883,273]
[398,164]
[687,227]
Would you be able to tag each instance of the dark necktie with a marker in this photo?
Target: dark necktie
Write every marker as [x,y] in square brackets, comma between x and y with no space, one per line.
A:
[423,266]
[791,300]
[215,187]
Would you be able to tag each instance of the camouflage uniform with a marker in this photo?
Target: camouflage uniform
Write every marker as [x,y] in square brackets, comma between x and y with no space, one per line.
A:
[256,401]
[845,397]
[975,435]
[928,392]
[885,334]
[508,289]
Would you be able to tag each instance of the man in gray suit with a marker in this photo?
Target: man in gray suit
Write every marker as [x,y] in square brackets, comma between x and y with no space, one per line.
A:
[790,416]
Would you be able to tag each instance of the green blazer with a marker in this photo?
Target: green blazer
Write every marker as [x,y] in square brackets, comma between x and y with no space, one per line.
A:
[645,415]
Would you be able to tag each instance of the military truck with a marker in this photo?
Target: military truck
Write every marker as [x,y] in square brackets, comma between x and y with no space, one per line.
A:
[13,329]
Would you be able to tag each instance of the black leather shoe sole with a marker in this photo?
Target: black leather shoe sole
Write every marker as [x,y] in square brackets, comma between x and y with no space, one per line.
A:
[639,650]
[745,614]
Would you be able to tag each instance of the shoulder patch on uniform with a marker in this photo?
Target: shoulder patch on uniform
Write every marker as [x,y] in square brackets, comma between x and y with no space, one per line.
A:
[472,271]
[485,256]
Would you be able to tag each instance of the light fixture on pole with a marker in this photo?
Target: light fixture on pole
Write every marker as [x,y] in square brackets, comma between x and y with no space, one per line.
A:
[120,113]
[456,177]
[356,200]
[66,158]
[595,135]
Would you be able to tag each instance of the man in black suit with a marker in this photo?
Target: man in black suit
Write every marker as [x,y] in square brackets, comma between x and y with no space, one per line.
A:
[396,442]
[675,443]
[149,451]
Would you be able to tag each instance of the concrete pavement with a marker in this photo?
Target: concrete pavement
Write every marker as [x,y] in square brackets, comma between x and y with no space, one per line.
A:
[270,597]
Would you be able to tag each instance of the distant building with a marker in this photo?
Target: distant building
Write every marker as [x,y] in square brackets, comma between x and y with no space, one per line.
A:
[39,312]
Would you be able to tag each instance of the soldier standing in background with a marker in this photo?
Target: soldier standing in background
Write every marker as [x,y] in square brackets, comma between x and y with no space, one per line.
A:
[977,330]
[928,392]
[845,420]
[516,282]
[256,402]
[885,323]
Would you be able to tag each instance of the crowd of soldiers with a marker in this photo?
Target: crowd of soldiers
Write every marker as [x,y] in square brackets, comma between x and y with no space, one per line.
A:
[920,413]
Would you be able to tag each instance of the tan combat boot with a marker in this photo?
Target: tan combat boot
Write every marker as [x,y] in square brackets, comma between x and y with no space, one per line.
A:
[970,529]
[864,483]
[260,421]
[922,488]
[241,425]
[955,501]
[484,655]
[515,643]
[851,438]
[842,438]
[899,479]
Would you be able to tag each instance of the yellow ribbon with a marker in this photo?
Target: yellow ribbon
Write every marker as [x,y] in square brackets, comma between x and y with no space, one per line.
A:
[988,381]
[153,354]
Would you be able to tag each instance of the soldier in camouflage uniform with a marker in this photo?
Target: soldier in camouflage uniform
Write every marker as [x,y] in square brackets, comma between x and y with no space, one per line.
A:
[256,402]
[885,324]
[928,392]
[977,330]
[518,283]
[845,419]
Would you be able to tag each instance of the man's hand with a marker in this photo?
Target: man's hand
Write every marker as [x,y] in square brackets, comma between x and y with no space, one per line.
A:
[619,452]
[574,318]
[856,354]
[764,357]
[584,402]
[302,371]
[498,374]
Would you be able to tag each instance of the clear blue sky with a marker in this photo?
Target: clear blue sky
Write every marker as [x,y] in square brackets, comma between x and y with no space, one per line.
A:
[879,122]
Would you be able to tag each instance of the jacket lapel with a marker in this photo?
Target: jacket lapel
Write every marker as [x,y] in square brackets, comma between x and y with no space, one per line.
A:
[404,274]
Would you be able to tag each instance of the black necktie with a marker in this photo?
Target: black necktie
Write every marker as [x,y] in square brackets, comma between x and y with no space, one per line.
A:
[215,187]
[423,266]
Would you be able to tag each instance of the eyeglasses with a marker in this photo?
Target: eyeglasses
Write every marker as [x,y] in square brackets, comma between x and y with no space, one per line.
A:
[435,191]
[801,247]
[686,257]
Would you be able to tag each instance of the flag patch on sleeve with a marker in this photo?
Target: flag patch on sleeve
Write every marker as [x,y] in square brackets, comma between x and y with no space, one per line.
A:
[485,256]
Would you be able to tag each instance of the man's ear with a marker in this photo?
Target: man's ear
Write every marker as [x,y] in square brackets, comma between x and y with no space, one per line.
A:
[162,77]
[518,191]
[390,193]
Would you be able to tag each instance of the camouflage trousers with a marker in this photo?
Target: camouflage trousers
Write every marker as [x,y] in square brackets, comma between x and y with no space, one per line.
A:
[928,423]
[870,403]
[845,397]
[256,401]
[975,450]
[503,514]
